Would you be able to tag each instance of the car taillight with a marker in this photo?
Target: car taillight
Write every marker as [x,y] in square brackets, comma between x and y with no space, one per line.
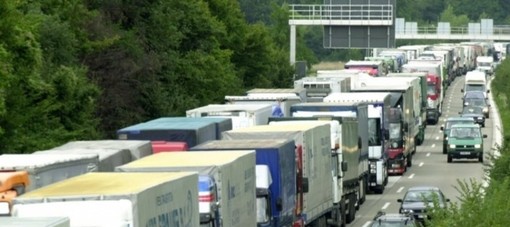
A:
[206,198]
[298,223]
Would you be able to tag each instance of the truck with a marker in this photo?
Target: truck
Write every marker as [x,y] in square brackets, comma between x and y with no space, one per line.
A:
[390,64]
[117,199]
[275,173]
[137,148]
[319,87]
[476,81]
[399,55]
[226,182]
[485,64]
[345,147]
[378,106]
[108,158]
[35,222]
[21,173]
[445,58]
[281,92]
[413,51]
[403,128]
[373,68]
[242,115]
[190,132]
[164,146]
[435,86]
[283,102]
[420,87]
[312,141]
[221,124]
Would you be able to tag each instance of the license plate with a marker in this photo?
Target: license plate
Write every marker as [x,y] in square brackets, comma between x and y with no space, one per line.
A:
[465,153]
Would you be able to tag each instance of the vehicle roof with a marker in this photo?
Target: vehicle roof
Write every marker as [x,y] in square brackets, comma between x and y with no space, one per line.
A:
[394,217]
[460,119]
[466,126]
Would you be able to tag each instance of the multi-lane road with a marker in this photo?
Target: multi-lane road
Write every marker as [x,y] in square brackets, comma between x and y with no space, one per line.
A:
[429,164]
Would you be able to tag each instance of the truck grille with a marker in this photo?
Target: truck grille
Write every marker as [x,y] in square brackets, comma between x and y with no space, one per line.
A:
[465,146]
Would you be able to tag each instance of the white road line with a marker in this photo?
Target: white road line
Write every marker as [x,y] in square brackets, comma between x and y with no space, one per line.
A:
[411,176]
[386,205]
[400,189]
[421,164]
[433,145]
[428,154]
[437,137]
[367,224]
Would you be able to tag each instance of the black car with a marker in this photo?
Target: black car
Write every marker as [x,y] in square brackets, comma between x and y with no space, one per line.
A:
[476,98]
[474,112]
[418,199]
[393,220]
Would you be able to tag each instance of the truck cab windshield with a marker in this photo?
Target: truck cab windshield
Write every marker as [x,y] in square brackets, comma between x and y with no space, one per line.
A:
[431,89]
[395,131]
[263,212]
[374,132]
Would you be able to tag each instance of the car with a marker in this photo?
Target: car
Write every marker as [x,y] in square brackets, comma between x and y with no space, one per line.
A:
[451,121]
[383,219]
[477,98]
[474,112]
[465,142]
[418,199]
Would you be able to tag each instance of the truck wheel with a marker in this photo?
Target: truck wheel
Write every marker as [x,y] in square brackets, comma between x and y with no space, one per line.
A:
[449,159]
[351,208]
[480,158]
[365,189]
[444,150]
[410,161]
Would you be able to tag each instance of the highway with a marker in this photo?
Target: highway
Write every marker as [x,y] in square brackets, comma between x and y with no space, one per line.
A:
[429,164]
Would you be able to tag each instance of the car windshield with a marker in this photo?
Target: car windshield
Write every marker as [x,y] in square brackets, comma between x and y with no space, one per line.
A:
[472,110]
[474,102]
[449,124]
[421,196]
[474,95]
[484,64]
[475,87]
[461,133]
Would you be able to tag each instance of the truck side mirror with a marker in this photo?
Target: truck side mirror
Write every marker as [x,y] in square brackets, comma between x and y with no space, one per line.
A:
[344,166]
[488,91]
[484,135]
[305,185]
[279,204]
[461,90]
[399,200]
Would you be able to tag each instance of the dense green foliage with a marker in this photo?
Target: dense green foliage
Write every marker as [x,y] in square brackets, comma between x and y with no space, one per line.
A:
[81,69]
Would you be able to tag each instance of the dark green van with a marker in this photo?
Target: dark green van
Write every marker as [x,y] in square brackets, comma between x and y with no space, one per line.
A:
[449,123]
[465,141]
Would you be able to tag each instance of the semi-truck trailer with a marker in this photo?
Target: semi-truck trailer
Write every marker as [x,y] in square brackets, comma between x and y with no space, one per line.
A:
[378,106]
[117,199]
[312,141]
[35,222]
[242,115]
[21,173]
[275,174]
[226,182]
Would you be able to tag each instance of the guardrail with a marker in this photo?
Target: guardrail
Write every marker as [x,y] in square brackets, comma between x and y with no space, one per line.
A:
[341,12]
[497,30]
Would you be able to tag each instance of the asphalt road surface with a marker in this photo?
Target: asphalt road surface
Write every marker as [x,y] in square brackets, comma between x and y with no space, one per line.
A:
[429,165]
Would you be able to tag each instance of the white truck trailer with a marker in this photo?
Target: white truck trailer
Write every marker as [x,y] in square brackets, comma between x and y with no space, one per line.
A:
[313,149]
[117,199]
[319,87]
[35,222]
[108,158]
[284,102]
[226,182]
[242,115]
[137,148]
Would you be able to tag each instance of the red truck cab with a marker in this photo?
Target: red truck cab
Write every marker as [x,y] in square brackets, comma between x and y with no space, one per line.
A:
[166,146]
[433,98]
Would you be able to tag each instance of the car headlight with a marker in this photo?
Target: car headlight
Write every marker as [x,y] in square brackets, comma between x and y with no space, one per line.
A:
[478,145]
[452,145]
[4,208]
[485,109]
[480,118]
[372,166]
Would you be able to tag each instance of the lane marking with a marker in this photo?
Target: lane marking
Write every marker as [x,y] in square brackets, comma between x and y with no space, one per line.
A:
[411,177]
[400,189]
[433,145]
[428,154]
[367,224]
[437,137]
[421,164]
[386,205]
